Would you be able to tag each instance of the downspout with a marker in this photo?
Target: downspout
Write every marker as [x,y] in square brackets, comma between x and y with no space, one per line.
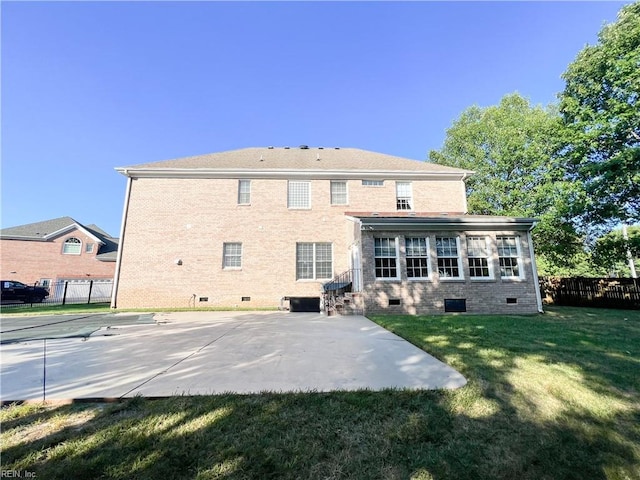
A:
[534,267]
[125,212]
[357,242]
[464,189]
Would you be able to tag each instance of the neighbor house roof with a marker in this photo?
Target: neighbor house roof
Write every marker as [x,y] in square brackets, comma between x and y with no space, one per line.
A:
[50,229]
[303,161]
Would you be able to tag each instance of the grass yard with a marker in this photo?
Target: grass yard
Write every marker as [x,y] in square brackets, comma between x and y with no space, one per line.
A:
[46,309]
[549,397]
[72,308]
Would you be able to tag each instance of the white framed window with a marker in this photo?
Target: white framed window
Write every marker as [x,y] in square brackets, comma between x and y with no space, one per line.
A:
[448,252]
[232,255]
[404,196]
[478,257]
[373,183]
[386,258]
[417,253]
[45,282]
[509,257]
[299,194]
[72,246]
[314,261]
[244,192]
[339,192]
[88,248]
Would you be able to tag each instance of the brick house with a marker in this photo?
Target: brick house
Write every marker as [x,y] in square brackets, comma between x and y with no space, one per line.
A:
[307,228]
[55,251]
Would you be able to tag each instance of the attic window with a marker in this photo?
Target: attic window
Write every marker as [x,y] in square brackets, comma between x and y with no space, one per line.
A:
[88,248]
[72,246]
[373,183]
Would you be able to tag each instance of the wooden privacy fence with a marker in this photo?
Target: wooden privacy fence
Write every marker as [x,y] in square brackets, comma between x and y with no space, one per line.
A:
[592,292]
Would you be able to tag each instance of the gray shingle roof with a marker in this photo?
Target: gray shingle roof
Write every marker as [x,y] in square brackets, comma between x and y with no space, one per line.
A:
[298,158]
[38,230]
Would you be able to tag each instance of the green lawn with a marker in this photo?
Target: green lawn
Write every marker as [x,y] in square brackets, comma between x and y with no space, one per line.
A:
[549,397]
[45,309]
[72,308]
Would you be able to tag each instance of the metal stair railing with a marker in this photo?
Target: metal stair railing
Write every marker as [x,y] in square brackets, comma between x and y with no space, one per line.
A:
[334,291]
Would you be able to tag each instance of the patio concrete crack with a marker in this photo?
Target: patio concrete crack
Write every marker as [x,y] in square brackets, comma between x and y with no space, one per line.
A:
[182,359]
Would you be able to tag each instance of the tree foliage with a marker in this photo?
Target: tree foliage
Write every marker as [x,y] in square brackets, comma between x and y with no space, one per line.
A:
[600,106]
[610,251]
[513,148]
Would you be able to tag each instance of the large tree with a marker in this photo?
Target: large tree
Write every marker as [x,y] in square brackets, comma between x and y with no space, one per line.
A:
[600,106]
[513,148]
[612,250]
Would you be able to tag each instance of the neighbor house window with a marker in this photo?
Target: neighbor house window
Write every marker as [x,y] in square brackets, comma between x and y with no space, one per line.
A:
[244,192]
[386,258]
[448,252]
[338,193]
[88,248]
[72,246]
[232,255]
[314,261]
[45,282]
[299,195]
[509,257]
[373,183]
[404,197]
[417,253]
[478,255]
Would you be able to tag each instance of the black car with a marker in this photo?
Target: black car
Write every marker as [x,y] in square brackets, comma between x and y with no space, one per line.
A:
[19,292]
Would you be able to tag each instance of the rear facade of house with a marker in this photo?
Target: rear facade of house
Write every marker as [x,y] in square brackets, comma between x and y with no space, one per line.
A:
[341,229]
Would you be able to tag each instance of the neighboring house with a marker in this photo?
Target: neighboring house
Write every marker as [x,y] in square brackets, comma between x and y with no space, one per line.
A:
[57,250]
[353,229]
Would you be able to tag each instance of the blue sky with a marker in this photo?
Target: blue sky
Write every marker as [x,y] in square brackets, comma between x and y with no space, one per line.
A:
[90,86]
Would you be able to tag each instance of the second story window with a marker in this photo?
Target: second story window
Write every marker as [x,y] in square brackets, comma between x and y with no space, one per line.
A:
[244,192]
[299,194]
[72,246]
[88,248]
[404,197]
[338,193]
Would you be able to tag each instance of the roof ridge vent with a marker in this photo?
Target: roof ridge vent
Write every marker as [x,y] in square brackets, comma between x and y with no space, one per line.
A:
[337,148]
[304,147]
[270,147]
[286,148]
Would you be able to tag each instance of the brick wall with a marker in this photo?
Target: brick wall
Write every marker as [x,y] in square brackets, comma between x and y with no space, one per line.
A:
[190,219]
[32,261]
[427,297]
